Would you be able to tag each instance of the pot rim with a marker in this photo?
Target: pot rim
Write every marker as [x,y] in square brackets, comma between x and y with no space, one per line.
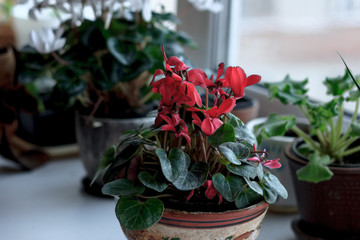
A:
[261,204]
[291,149]
[111,120]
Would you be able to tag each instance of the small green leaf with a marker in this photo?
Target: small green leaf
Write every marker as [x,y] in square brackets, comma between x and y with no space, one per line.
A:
[338,85]
[274,126]
[274,184]
[136,215]
[121,187]
[196,177]
[173,165]
[235,152]
[229,187]
[225,133]
[316,170]
[106,159]
[254,186]
[242,132]
[247,198]
[288,91]
[152,182]
[244,170]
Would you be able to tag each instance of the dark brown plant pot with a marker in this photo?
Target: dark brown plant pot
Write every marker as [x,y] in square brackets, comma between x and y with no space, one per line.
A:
[328,209]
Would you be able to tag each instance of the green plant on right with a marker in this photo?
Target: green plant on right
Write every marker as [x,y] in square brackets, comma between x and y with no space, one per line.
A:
[329,140]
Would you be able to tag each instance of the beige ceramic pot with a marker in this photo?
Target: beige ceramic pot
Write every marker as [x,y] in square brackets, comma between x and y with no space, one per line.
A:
[179,225]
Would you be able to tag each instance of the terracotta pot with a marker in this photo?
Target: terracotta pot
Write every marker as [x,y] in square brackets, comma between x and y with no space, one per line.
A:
[8,64]
[246,109]
[275,147]
[96,135]
[328,209]
[235,225]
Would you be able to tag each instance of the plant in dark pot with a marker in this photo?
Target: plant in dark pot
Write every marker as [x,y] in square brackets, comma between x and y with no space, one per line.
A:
[100,61]
[325,164]
[196,173]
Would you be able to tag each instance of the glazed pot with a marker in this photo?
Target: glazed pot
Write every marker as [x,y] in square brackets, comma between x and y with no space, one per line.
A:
[95,135]
[180,225]
[328,209]
[275,147]
[246,108]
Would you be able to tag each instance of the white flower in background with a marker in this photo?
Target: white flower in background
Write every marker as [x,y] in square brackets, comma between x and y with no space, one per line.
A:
[45,41]
[142,5]
[214,6]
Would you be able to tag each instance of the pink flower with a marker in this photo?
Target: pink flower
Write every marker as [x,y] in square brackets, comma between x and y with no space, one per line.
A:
[267,163]
[211,120]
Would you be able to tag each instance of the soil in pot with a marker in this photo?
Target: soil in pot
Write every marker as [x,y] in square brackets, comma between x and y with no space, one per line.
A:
[328,209]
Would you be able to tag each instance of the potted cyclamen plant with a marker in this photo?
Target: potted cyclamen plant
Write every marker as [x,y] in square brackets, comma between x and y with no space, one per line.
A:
[196,173]
[325,164]
[101,66]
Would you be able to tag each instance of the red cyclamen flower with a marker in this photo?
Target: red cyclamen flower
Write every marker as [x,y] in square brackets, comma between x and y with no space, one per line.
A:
[237,80]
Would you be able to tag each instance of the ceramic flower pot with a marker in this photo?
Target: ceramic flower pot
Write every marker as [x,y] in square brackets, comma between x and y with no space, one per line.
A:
[246,108]
[275,147]
[328,209]
[238,224]
[96,135]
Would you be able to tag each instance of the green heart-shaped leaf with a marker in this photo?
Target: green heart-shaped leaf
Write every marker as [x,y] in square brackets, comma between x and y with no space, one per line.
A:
[229,187]
[247,198]
[173,165]
[196,177]
[243,170]
[254,186]
[136,215]
[275,185]
[152,181]
[121,187]
[223,134]
[235,152]
[316,170]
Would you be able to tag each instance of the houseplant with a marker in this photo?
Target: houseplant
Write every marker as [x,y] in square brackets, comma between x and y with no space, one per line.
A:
[15,98]
[325,164]
[194,158]
[100,65]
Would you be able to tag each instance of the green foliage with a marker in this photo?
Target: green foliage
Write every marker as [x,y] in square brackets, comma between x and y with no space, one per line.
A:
[111,66]
[136,215]
[165,169]
[328,142]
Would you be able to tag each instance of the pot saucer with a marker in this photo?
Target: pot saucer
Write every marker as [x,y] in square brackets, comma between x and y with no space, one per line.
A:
[304,231]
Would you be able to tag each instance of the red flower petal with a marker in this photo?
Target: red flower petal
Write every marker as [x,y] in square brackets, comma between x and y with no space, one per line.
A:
[226,106]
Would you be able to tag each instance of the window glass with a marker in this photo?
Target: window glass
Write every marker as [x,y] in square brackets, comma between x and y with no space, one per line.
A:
[300,38]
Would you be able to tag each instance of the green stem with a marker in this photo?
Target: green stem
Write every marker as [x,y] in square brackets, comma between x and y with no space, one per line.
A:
[306,138]
[353,120]
[351,151]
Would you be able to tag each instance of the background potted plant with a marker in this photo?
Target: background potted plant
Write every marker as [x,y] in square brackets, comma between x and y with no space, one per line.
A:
[195,159]
[100,66]
[325,164]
